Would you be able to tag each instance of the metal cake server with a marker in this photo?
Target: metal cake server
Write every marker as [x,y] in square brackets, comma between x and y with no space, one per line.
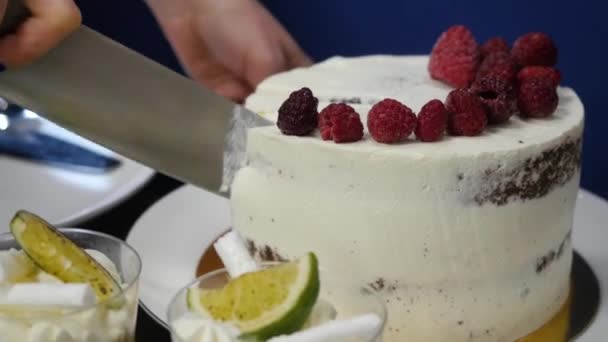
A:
[21,137]
[132,105]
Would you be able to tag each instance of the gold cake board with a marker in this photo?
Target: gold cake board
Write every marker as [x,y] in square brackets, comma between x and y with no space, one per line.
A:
[555,330]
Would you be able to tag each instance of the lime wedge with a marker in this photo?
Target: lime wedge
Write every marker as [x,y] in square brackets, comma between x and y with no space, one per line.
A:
[266,303]
[57,255]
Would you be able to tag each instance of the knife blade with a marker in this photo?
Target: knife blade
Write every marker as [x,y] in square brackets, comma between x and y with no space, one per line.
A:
[114,96]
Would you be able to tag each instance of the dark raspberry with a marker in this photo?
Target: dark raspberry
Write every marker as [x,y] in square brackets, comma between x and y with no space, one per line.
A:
[492,45]
[390,121]
[339,122]
[539,72]
[432,121]
[500,64]
[298,114]
[455,57]
[534,48]
[498,96]
[466,113]
[537,97]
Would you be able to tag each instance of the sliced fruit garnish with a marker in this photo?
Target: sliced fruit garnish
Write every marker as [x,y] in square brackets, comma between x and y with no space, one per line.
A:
[57,255]
[270,302]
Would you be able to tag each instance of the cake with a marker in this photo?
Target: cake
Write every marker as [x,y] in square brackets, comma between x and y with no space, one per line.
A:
[467,238]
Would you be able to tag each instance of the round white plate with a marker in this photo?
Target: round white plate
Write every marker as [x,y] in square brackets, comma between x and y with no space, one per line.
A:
[172,235]
[65,197]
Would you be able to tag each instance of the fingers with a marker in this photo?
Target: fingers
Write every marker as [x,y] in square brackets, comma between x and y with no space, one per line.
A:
[221,81]
[50,23]
[198,62]
[3,4]
[234,90]
[264,61]
[296,57]
[271,48]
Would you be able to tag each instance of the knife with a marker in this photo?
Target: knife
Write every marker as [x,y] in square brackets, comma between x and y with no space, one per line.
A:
[112,95]
[20,137]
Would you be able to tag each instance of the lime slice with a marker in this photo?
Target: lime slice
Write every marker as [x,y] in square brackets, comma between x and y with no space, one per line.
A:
[57,255]
[266,303]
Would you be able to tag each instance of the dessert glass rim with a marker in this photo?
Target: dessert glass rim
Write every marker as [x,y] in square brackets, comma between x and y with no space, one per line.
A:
[8,236]
[322,270]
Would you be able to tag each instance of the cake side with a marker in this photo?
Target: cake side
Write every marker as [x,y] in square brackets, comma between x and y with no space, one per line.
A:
[467,238]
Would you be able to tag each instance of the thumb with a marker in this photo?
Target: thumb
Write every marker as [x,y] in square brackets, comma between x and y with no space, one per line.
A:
[51,21]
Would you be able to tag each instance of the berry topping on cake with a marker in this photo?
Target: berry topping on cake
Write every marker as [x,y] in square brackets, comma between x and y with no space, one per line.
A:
[432,121]
[539,72]
[500,64]
[534,48]
[495,44]
[455,57]
[537,97]
[390,121]
[466,113]
[341,123]
[298,115]
[498,96]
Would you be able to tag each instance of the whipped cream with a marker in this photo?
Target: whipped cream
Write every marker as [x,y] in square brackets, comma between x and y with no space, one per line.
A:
[14,266]
[60,323]
[197,328]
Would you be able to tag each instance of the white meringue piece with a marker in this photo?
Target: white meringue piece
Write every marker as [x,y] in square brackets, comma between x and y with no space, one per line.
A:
[359,328]
[233,251]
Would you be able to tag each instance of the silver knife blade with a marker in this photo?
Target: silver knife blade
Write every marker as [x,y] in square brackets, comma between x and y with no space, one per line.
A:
[136,107]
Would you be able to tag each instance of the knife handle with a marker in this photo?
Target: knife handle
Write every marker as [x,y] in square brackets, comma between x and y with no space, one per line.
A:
[15,14]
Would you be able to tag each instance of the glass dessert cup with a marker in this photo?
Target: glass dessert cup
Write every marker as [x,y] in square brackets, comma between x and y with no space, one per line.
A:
[98,322]
[348,299]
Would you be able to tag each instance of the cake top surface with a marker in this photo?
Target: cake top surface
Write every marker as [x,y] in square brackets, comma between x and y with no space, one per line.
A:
[363,81]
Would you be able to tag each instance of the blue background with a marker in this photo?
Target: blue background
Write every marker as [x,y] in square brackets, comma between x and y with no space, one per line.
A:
[325,28]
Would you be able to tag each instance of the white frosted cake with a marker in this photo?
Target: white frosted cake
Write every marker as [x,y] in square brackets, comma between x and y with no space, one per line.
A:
[467,238]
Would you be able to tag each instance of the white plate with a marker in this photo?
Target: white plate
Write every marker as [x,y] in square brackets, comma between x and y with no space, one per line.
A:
[62,196]
[172,235]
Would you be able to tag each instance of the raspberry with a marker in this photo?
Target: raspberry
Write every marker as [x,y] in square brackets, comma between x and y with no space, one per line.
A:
[534,48]
[339,122]
[492,45]
[432,121]
[298,114]
[540,72]
[498,63]
[466,113]
[537,97]
[498,96]
[390,121]
[455,57]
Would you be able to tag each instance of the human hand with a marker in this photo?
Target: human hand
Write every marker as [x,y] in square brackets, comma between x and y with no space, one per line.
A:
[230,45]
[51,21]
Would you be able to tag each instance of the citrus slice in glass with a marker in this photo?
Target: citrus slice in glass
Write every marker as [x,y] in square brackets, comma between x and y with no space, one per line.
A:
[263,304]
[57,255]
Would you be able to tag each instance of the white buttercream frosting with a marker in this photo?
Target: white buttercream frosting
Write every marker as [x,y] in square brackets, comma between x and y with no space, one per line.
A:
[417,220]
